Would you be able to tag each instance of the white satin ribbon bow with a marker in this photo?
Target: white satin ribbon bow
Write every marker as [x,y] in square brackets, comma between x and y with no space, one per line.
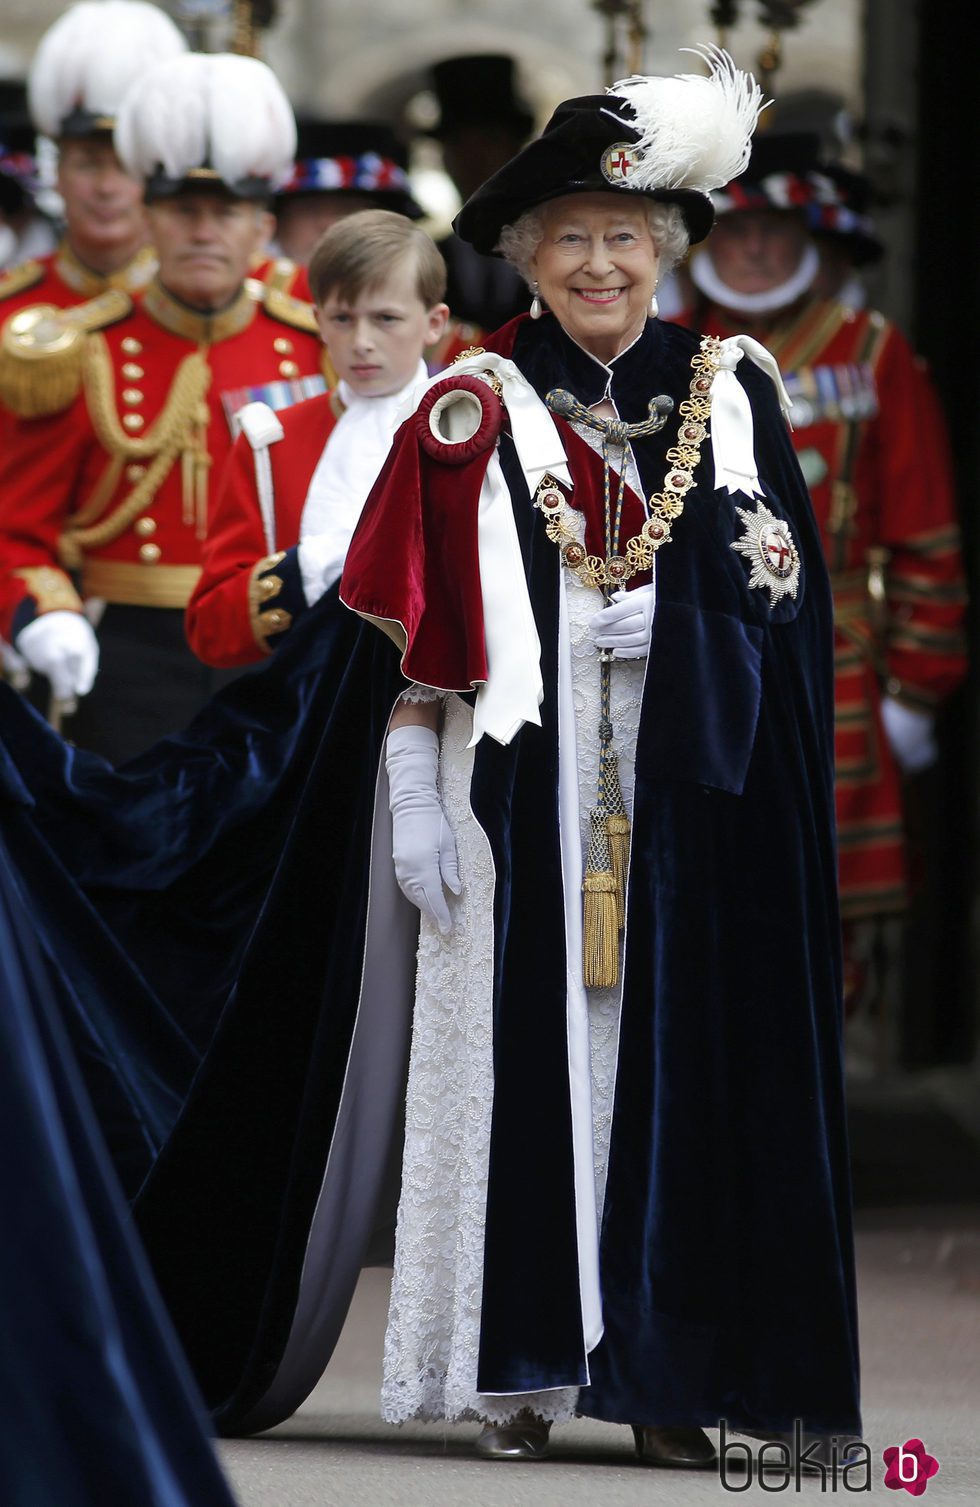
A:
[732,429]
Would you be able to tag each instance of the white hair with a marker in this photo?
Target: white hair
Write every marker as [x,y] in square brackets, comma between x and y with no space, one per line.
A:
[91,55]
[519,242]
[222,110]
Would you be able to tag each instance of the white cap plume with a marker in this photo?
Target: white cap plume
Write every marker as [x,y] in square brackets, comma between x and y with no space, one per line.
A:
[222,110]
[89,57]
[695,132]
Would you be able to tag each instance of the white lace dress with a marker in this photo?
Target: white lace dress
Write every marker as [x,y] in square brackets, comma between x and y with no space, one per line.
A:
[433,1335]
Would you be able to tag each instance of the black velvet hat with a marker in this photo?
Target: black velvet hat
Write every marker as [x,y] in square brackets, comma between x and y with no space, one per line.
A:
[787,170]
[670,139]
[353,157]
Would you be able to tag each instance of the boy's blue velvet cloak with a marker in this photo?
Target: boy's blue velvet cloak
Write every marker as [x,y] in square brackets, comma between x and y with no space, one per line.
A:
[218,885]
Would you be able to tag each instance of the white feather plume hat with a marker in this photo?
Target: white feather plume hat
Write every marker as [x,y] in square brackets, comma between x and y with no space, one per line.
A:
[673,138]
[208,116]
[87,59]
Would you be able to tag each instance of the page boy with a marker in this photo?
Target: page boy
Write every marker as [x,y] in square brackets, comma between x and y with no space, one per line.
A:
[296,481]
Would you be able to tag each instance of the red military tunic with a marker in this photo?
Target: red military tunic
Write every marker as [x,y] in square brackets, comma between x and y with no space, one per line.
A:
[62,280]
[117,487]
[233,612]
[873,448]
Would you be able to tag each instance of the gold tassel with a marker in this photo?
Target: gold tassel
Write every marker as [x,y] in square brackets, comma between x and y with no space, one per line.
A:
[600,931]
[618,833]
[600,922]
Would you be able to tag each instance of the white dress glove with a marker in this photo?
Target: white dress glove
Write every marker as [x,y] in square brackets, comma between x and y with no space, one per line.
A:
[423,846]
[626,626]
[62,646]
[321,563]
[911,735]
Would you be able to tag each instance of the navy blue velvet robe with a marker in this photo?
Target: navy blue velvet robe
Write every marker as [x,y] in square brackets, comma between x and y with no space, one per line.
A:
[97,1408]
[238,905]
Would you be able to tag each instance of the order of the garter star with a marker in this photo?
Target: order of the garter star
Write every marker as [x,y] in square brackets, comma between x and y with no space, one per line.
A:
[768,545]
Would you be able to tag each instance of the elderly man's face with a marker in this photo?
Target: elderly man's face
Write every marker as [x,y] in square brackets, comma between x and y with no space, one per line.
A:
[754,250]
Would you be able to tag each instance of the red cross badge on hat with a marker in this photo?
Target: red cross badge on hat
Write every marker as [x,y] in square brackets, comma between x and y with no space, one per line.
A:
[768,545]
[618,161]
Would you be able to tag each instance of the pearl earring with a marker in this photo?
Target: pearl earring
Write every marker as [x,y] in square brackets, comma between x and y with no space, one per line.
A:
[536,309]
[654,305]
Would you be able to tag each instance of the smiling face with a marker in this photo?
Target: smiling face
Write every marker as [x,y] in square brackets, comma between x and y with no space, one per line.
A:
[206,242]
[596,268]
[376,342]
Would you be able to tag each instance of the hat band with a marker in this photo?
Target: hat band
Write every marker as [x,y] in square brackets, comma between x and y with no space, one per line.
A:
[82,122]
[779,191]
[160,185]
[368,173]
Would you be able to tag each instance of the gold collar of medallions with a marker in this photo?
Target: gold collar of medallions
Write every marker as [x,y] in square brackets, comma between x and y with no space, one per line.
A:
[131,278]
[192,324]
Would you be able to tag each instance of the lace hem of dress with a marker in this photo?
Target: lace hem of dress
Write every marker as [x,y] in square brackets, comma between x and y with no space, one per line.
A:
[416,694]
[428,1399]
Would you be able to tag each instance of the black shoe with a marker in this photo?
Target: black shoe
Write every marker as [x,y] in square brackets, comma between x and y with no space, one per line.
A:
[524,1438]
[687,1449]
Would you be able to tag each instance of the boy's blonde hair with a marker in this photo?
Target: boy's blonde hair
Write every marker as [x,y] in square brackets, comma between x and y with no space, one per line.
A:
[358,252]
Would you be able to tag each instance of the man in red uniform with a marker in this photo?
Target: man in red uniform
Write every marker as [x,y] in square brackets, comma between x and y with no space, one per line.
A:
[873,448]
[105,492]
[83,66]
[293,490]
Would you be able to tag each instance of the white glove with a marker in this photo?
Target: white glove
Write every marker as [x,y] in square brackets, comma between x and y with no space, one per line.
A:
[62,646]
[423,846]
[321,562]
[910,734]
[626,626]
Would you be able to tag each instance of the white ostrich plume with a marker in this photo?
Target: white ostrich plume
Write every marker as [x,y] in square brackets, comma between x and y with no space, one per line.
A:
[89,57]
[220,110]
[695,132]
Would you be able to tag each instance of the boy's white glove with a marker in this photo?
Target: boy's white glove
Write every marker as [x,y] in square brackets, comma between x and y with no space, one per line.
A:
[911,735]
[423,846]
[62,646]
[321,563]
[626,625]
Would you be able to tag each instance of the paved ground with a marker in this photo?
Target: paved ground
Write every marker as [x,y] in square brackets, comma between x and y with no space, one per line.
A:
[919,1276]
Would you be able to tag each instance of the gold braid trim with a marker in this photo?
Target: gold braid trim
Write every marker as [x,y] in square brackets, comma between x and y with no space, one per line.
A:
[176,429]
[51,588]
[262,589]
[42,349]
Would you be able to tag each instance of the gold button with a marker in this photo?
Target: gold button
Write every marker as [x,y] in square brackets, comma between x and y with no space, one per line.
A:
[282,346]
[893,686]
[133,421]
[145,527]
[135,471]
[132,396]
[273,618]
[288,369]
[131,346]
[131,371]
[150,553]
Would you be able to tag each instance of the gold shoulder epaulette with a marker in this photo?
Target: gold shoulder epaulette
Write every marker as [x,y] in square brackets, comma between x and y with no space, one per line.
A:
[16,279]
[295,312]
[41,352]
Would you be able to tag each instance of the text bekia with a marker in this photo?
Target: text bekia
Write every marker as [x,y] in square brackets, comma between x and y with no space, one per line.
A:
[843,1464]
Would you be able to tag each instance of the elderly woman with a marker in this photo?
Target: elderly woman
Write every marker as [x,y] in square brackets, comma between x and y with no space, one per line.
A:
[625,1188]
[607,787]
